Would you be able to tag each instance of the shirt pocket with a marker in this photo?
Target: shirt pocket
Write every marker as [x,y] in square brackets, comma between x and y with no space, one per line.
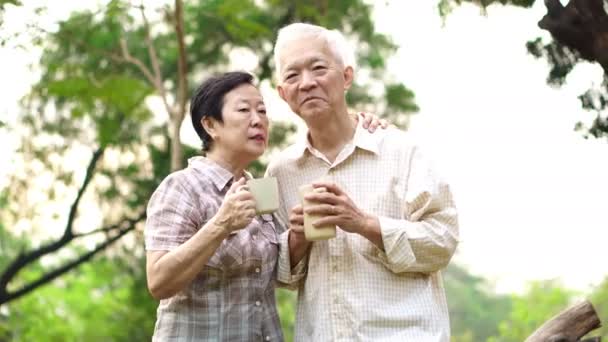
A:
[389,200]
[229,254]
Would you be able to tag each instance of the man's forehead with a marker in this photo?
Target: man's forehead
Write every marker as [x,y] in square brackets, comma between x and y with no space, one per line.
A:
[305,50]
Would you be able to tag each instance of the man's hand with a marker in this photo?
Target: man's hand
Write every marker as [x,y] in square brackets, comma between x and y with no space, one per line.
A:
[298,245]
[336,208]
[237,209]
[371,121]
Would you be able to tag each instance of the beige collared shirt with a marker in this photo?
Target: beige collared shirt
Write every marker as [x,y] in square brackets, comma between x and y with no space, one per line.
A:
[350,290]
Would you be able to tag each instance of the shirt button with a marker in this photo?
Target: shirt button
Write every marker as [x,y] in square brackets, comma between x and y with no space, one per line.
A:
[253,236]
[257,270]
[257,303]
[267,338]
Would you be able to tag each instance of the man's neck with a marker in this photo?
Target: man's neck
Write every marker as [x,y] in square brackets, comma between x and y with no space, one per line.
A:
[330,136]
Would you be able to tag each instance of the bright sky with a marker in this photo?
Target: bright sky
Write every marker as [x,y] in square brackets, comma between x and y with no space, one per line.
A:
[531,191]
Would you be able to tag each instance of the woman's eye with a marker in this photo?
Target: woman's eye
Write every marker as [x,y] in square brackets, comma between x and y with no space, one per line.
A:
[243,110]
[263,111]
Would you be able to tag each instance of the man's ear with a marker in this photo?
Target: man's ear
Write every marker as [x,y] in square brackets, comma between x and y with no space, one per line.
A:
[281,92]
[209,125]
[349,75]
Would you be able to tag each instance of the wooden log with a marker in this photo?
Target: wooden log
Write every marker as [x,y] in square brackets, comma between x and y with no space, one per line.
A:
[569,325]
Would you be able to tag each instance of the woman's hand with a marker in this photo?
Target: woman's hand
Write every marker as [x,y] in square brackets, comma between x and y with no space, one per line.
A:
[372,121]
[237,209]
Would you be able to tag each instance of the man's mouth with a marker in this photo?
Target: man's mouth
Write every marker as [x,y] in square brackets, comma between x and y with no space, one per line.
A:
[310,99]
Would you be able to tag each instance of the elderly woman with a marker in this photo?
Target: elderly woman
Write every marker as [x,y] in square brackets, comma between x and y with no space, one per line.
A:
[210,259]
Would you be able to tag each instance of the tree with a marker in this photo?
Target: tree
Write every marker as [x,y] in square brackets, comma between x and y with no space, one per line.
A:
[579,32]
[599,299]
[475,310]
[540,302]
[99,69]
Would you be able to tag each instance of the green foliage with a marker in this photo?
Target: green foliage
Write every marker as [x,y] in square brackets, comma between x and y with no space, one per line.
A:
[474,309]
[542,301]
[562,61]
[105,300]
[599,299]
[286,304]
[445,7]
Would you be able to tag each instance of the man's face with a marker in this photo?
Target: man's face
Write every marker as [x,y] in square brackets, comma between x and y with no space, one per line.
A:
[311,80]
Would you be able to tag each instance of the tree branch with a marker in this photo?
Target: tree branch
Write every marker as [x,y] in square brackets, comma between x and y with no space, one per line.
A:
[128,58]
[266,72]
[128,226]
[182,66]
[24,259]
[569,325]
[157,76]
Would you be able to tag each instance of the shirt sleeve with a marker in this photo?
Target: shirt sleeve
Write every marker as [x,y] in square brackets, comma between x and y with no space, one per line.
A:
[287,276]
[426,239]
[170,212]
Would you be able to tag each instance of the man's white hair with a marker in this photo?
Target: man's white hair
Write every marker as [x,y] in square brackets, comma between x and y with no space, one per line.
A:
[335,40]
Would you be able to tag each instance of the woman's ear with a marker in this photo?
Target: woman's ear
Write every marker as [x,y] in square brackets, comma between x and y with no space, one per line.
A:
[209,125]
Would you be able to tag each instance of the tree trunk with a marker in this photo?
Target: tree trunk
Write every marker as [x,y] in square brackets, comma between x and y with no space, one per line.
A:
[569,325]
[176,144]
[581,25]
[182,88]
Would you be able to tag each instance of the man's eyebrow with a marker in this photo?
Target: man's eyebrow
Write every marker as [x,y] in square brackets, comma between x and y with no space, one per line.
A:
[310,60]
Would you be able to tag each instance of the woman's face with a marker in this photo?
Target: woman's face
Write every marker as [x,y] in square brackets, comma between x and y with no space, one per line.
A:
[244,132]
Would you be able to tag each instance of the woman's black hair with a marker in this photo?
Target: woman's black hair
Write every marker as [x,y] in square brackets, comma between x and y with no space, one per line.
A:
[208,101]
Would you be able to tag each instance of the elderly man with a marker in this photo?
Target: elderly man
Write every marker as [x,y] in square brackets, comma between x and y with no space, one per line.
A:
[379,278]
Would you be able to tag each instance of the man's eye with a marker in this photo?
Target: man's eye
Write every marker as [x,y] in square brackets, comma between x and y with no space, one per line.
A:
[243,110]
[318,67]
[263,111]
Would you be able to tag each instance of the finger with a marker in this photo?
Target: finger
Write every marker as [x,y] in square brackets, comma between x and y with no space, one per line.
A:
[323,197]
[244,195]
[329,186]
[373,126]
[296,228]
[297,210]
[383,123]
[250,213]
[367,119]
[248,204]
[296,219]
[326,221]
[235,185]
[323,210]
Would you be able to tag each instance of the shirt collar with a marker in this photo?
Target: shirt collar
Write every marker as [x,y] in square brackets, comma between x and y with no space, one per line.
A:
[220,177]
[362,139]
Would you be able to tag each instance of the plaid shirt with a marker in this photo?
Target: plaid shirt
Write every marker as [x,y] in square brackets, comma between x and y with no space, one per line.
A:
[232,298]
[350,290]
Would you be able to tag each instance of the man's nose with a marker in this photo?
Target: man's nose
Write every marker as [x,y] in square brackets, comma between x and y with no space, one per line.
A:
[308,81]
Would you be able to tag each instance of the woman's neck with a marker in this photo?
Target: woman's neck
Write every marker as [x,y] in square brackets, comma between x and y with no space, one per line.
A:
[228,163]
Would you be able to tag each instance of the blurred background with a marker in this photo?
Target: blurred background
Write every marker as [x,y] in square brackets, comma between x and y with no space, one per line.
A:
[93,115]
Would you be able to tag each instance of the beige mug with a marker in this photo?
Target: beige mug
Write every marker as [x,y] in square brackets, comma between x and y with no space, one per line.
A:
[310,232]
[266,194]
